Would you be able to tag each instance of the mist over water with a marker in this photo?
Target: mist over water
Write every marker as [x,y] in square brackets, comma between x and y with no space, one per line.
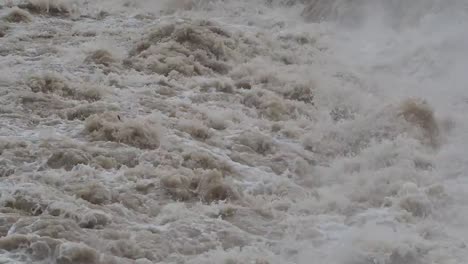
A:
[209,131]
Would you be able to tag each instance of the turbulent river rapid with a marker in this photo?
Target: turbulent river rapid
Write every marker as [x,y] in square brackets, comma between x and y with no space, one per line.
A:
[234,131]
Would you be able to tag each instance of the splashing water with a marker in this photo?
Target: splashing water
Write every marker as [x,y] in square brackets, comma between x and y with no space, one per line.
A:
[210,131]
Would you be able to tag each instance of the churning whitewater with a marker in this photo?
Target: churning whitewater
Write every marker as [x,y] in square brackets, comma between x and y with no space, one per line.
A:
[233,132]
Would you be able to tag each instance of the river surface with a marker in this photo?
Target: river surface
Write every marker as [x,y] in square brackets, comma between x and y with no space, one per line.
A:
[234,132]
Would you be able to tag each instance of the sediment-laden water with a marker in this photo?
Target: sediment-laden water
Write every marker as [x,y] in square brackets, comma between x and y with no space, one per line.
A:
[210,131]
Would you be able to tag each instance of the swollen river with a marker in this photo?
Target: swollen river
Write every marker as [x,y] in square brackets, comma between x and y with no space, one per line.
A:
[234,132]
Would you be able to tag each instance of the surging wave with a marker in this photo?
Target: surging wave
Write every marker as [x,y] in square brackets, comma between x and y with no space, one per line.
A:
[232,132]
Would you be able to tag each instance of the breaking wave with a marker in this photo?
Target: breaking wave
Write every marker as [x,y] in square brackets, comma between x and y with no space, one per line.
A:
[211,131]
